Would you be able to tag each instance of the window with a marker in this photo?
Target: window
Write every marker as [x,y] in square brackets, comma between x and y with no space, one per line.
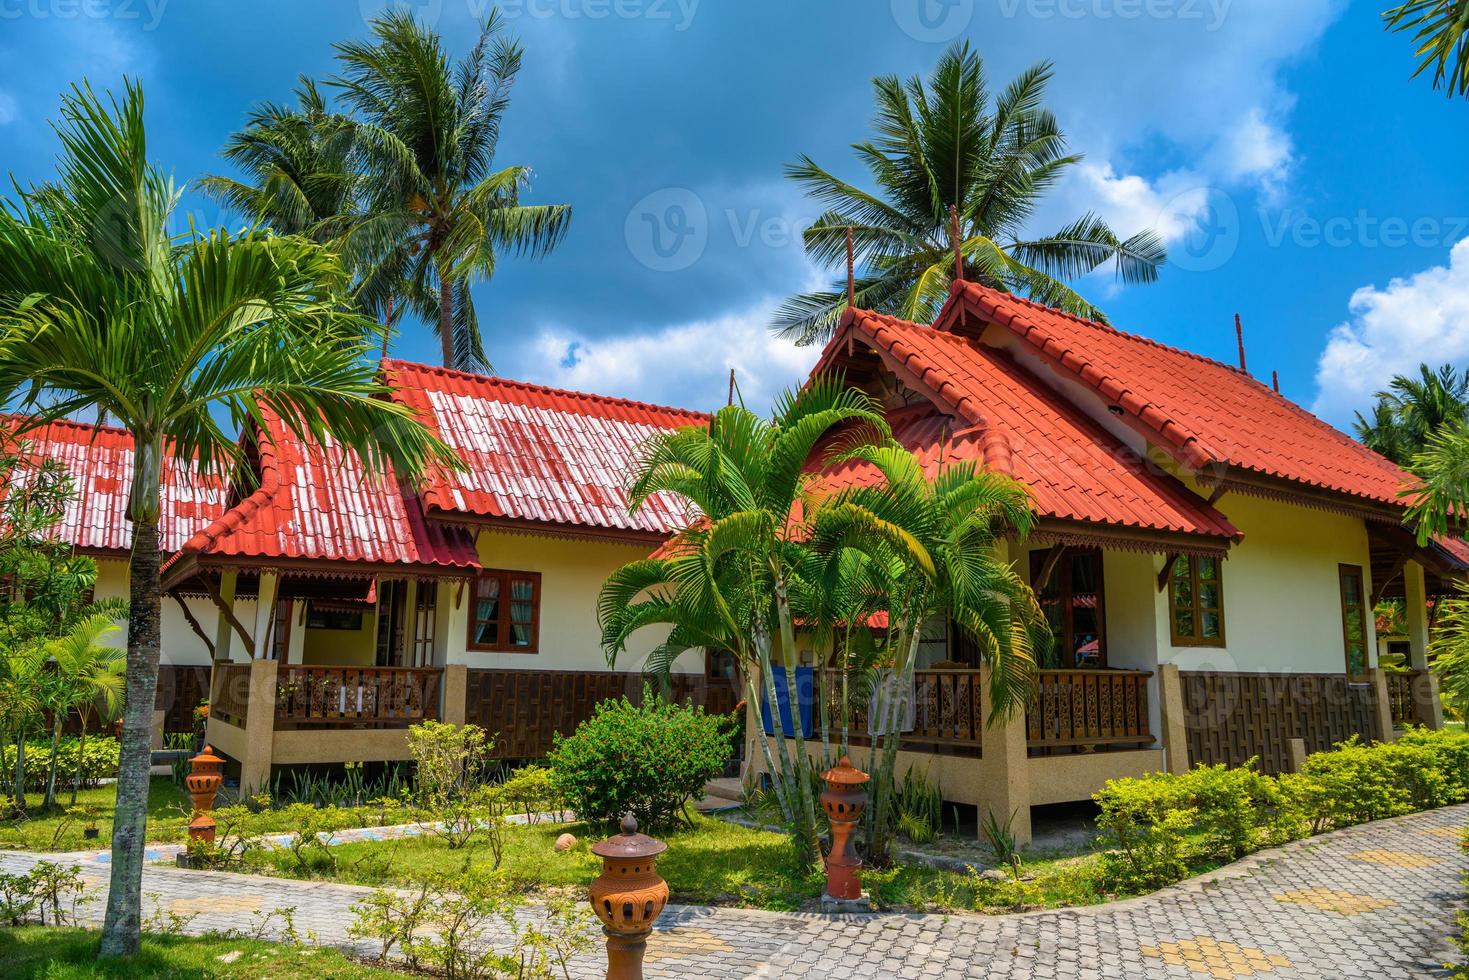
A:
[1196,601]
[507,612]
[1073,601]
[318,618]
[1354,619]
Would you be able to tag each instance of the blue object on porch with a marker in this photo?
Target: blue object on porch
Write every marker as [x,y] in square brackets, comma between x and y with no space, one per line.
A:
[805,690]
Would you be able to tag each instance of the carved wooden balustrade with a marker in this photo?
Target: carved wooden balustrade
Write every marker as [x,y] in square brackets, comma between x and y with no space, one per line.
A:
[230,693]
[1089,709]
[356,697]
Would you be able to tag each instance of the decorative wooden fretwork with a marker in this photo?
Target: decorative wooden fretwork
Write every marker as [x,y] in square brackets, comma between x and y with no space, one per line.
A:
[356,697]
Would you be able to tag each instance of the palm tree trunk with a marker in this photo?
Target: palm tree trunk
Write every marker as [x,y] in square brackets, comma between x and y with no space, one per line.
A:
[806,798]
[121,929]
[51,769]
[76,776]
[20,771]
[446,318]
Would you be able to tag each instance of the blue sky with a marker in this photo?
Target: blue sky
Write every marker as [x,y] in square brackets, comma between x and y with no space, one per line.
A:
[1301,177]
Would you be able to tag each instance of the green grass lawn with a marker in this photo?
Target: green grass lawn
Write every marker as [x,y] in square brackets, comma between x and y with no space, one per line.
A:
[715,863]
[54,831]
[71,954]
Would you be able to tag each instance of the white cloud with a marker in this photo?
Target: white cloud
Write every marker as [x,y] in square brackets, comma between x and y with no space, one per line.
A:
[684,364]
[1391,331]
[9,108]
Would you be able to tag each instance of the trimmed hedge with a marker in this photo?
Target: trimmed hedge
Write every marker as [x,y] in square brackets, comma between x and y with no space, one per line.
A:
[1161,827]
[100,763]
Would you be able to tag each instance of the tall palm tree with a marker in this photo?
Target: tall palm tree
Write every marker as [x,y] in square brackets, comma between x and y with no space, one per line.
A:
[102,308]
[1441,31]
[1412,409]
[941,145]
[88,678]
[729,579]
[437,213]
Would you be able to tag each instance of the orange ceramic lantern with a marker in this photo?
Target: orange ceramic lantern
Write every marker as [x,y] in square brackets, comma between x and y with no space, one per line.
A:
[628,897]
[844,800]
[206,775]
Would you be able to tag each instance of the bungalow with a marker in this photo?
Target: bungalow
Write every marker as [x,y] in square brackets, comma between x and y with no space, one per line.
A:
[1208,554]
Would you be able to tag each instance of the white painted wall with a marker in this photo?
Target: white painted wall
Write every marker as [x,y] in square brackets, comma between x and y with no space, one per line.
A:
[572,573]
[181,646]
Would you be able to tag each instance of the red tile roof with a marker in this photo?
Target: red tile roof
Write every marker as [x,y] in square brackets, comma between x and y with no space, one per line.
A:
[1201,411]
[540,455]
[989,409]
[316,503]
[100,460]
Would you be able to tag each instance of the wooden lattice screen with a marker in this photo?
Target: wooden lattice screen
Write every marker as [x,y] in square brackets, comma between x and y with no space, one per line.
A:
[524,709]
[180,690]
[1233,717]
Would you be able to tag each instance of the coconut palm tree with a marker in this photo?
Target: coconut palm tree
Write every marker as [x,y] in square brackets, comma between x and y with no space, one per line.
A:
[1441,30]
[22,700]
[728,580]
[1412,409]
[437,212]
[179,339]
[941,145]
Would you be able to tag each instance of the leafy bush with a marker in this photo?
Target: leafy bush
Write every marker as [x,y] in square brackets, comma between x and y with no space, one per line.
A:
[99,763]
[531,790]
[448,760]
[648,760]
[1160,826]
[918,804]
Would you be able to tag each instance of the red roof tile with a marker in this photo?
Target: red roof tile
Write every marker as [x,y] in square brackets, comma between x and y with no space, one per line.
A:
[539,455]
[100,460]
[1201,411]
[316,503]
[989,409]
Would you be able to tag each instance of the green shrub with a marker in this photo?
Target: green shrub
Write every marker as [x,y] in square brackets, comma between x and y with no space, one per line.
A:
[1145,823]
[531,790]
[647,760]
[100,761]
[448,760]
[918,804]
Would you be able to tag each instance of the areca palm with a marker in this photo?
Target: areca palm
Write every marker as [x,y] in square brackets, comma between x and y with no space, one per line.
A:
[959,519]
[88,677]
[729,579]
[438,213]
[175,338]
[940,145]
[1440,28]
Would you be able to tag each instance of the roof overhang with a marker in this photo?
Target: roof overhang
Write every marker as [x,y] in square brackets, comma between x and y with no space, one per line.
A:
[544,529]
[188,566]
[1083,534]
[1220,477]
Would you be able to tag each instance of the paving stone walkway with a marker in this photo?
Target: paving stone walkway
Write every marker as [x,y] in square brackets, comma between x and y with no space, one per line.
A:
[1374,902]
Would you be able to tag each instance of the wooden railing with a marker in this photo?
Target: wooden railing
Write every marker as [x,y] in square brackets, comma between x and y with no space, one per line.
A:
[1089,709]
[356,697]
[1400,698]
[230,693]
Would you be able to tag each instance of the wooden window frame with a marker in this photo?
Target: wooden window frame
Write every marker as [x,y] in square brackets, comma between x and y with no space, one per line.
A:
[1342,571]
[1062,571]
[505,575]
[1196,639]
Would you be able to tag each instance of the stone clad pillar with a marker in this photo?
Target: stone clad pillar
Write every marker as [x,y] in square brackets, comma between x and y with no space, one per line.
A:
[1175,719]
[1383,705]
[454,707]
[259,727]
[1415,608]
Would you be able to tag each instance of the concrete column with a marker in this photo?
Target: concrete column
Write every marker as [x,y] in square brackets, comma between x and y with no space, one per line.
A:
[450,623]
[259,727]
[1415,605]
[224,634]
[1426,699]
[1383,704]
[1295,749]
[454,708]
[296,649]
[1175,720]
[1005,768]
[265,601]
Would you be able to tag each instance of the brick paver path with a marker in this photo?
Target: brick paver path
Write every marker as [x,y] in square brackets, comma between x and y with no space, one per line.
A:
[1374,902]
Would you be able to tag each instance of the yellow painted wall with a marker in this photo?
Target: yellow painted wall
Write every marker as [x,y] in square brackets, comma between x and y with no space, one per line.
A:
[572,573]
[342,648]
[181,645]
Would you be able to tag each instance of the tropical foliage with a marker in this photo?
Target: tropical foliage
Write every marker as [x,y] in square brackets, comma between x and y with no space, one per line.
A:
[767,552]
[946,144]
[1412,409]
[183,340]
[1440,29]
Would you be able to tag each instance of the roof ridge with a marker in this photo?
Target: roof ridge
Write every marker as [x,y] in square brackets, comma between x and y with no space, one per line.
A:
[1130,335]
[393,364]
[65,423]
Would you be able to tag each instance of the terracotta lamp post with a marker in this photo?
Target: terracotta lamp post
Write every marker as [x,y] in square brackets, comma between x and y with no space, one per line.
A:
[628,897]
[844,800]
[206,775]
